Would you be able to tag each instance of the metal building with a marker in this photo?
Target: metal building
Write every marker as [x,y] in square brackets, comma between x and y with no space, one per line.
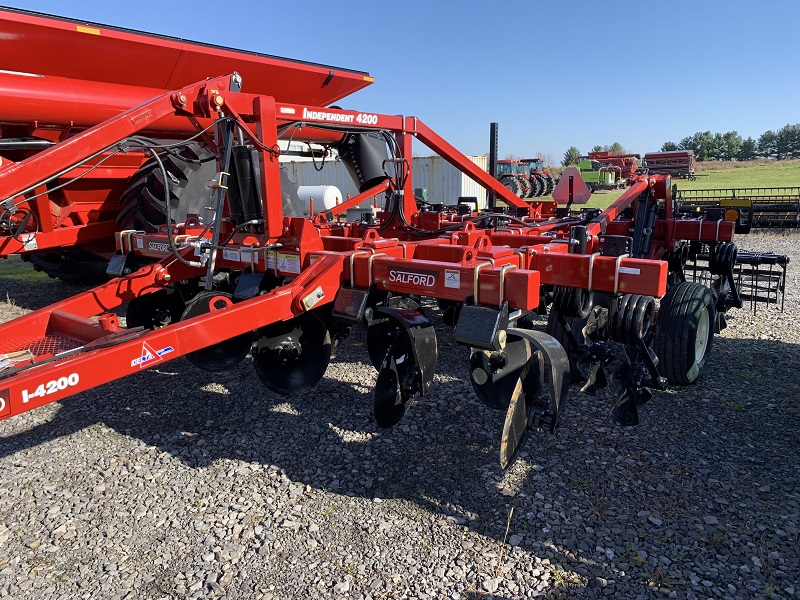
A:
[444,183]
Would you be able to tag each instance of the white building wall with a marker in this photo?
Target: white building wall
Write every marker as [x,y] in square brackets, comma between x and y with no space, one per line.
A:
[445,184]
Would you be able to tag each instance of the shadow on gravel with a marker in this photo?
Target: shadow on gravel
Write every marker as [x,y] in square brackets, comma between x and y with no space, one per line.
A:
[593,477]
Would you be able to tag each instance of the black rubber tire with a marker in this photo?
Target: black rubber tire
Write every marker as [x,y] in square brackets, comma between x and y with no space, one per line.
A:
[538,184]
[142,204]
[685,311]
[512,184]
[551,184]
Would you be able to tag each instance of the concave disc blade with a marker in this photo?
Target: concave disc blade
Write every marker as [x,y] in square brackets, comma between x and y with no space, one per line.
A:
[291,356]
[223,355]
[390,404]
[380,338]
[155,310]
[515,427]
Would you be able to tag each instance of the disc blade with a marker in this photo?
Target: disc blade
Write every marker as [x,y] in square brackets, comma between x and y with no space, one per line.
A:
[223,355]
[290,357]
[389,402]
[494,375]
[155,310]
[379,339]
[626,409]
[515,427]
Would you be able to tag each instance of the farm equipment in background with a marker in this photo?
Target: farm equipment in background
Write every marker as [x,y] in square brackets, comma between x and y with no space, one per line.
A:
[760,276]
[255,277]
[599,176]
[676,163]
[525,177]
[756,207]
[623,165]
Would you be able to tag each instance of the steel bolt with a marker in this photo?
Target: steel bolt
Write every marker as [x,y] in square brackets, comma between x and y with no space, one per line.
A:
[479,376]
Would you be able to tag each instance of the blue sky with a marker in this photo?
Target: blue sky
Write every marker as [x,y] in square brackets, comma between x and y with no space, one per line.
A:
[551,74]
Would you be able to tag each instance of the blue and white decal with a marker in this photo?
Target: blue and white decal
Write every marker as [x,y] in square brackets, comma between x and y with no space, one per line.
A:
[150,355]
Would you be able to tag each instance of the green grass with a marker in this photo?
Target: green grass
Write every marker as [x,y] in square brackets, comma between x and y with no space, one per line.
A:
[712,175]
[27,288]
[15,269]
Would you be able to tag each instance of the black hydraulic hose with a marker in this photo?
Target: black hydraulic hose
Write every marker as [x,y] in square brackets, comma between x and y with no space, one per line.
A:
[168,210]
[227,132]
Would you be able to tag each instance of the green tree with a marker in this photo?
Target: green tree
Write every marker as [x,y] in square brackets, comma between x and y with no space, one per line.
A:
[687,143]
[767,144]
[728,145]
[787,142]
[571,156]
[598,149]
[706,145]
[616,148]
[669,147]
[748,150]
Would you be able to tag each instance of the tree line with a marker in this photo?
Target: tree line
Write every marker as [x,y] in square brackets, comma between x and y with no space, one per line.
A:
[572,155]
[779,145]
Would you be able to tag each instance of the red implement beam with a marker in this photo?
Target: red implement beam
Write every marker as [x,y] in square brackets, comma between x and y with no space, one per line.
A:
[19,177]
[37,385]
[58,237]
[288,113]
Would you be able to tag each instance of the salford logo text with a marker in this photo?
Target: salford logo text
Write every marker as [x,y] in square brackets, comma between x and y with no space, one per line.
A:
[157,247]
[409,278]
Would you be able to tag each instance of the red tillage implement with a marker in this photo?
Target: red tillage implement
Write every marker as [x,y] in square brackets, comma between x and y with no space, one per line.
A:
[256,277]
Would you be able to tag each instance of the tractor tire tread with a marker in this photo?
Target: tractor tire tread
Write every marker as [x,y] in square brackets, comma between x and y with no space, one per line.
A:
[676,328]
[142,204]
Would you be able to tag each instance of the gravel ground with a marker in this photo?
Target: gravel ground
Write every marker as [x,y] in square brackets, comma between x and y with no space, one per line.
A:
[177,483]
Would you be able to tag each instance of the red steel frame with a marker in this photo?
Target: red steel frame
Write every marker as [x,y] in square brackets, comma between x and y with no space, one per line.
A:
[61,76]
[490,266]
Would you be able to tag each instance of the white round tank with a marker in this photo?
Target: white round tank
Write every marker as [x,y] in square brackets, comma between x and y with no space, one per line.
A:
[325,197]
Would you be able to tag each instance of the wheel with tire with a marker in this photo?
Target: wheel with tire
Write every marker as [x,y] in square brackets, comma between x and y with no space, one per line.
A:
[189,169]
[511,184]
[537,185]
[74,267]
[684,332]
[549,184]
